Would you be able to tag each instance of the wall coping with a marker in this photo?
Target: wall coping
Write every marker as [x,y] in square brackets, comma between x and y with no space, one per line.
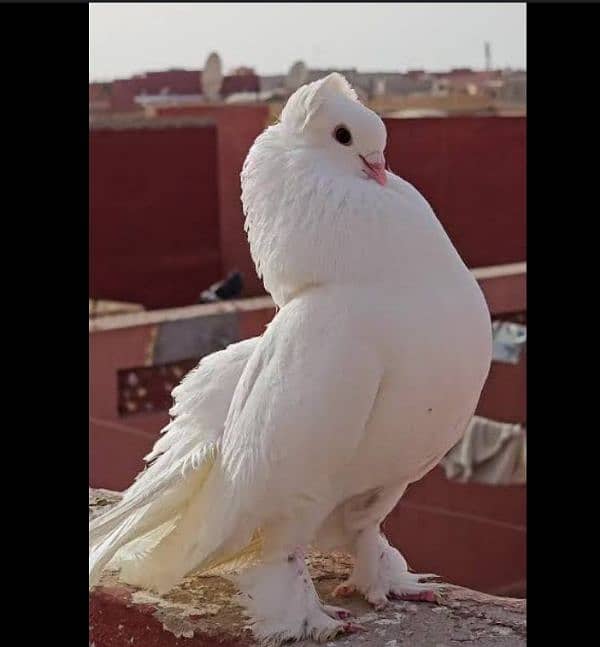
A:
[141,122]
[153,317]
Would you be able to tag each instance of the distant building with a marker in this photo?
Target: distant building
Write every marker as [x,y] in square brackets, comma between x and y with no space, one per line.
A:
[128,95]
[272,82]
[242,71]
[514,88]
[494,84]
[415,113]
[177,87]
[395,83]
[99,98]
[246,82]
[366,84]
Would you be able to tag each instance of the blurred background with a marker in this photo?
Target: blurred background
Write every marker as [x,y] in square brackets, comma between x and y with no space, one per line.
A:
[177,95]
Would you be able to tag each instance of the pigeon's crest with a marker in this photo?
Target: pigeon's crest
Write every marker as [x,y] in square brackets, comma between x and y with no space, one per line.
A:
[303,104]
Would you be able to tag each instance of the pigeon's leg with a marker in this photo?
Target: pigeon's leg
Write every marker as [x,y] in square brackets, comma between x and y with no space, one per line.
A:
[281,599]
[380,571]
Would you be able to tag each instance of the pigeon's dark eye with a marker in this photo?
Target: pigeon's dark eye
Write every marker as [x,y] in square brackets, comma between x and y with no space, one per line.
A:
[342,135]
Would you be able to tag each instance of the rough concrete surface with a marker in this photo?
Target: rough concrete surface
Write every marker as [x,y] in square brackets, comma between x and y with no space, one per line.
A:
[202,611]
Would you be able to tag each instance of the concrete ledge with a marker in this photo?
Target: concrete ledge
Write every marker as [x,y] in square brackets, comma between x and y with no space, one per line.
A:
[201,612]
[503,286]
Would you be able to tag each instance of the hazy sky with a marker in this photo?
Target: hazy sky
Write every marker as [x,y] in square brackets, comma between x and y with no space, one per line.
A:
[130,38]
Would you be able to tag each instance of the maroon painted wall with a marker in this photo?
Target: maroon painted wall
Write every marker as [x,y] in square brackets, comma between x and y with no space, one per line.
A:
[237,128]
[472,172]
[154,214]
[470,169]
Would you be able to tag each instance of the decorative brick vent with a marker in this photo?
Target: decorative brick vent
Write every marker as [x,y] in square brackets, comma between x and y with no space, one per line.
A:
[148,388]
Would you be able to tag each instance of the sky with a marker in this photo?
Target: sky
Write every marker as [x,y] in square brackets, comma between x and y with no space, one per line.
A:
[130,38]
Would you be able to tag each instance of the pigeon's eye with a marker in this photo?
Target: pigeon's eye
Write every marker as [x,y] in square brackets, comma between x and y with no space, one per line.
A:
[342,135]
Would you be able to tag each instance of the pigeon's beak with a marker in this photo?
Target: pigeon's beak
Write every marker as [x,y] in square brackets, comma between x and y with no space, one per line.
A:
[374,167]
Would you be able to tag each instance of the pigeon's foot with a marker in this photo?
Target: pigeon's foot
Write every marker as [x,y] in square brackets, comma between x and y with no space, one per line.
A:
[283,604]
[415,587]
[403,586]
[381,574]
[338,613]
[319,625]
[344,590]
[424,596]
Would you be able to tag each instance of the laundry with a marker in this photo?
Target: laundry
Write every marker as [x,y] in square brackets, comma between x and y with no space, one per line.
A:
[490,452]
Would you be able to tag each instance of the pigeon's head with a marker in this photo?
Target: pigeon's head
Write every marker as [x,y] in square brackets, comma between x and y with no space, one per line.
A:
[326,119]
[320,206]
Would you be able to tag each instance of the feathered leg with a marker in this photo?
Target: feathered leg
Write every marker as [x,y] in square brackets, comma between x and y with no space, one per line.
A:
[279,595]
[380,571]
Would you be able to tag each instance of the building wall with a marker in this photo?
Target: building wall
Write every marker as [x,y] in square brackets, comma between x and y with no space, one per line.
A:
[237,127]
[472,172]
[121,93]
[154,214]
[463,167]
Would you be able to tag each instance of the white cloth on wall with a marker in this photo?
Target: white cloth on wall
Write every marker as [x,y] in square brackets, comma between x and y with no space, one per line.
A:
[490,452]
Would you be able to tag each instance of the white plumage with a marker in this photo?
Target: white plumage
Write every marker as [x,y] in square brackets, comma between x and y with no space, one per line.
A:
[309,434]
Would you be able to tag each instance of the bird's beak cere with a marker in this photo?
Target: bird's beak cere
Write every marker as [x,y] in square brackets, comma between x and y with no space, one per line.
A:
[374,167]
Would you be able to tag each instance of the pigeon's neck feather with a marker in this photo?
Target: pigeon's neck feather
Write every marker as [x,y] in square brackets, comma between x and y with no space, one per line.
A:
[310,225]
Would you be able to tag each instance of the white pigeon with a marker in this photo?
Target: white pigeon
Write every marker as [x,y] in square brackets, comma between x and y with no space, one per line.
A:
[309,434]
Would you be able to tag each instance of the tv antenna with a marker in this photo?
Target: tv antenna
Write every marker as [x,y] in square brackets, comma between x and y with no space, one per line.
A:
[487,48]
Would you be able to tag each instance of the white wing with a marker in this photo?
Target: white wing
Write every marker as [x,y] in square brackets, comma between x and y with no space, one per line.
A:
[202,401]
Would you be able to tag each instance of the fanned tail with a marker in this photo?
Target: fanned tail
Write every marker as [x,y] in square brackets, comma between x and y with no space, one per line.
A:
[173,518]
[146,515]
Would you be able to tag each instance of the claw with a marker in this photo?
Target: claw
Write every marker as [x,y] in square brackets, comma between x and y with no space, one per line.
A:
[381,605]
[423,596]
[344,590]
[353,627]
[337,612]
[426,577]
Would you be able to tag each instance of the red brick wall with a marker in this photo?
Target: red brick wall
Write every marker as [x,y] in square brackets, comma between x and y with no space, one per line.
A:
[154,214]
[472,172]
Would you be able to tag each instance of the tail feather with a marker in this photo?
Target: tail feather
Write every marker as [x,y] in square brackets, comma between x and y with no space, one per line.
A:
[143,511]
[102,552]
[158,514]
[206,537]
[133,502]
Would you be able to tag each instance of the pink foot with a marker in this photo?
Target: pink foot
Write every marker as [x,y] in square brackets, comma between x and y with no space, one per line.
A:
[423,596]
[344,591]
[353,627]
[337,612]
[381,605]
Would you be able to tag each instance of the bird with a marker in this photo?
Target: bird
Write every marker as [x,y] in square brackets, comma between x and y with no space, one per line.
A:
[309,434]
[228,288]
